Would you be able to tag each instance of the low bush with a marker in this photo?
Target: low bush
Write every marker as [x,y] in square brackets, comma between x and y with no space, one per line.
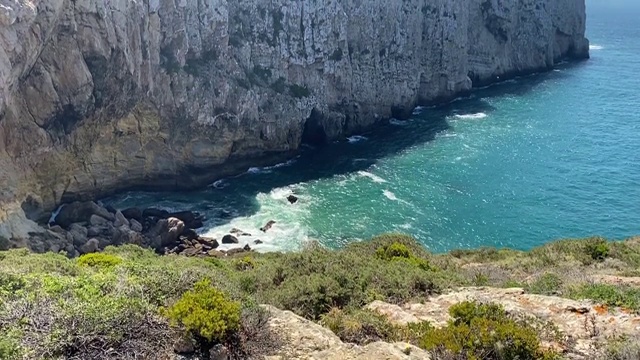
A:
[205,312]
[484,331]
[611,295]
[359,326]
[99,260]
[547,284]
[597,248]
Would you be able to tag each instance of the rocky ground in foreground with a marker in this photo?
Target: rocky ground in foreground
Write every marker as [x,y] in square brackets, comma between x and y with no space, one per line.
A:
[386,298]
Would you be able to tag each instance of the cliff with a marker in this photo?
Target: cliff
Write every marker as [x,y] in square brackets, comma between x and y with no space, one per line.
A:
[99,96]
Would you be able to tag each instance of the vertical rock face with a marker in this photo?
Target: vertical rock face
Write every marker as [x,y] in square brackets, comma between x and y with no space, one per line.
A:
[97,96]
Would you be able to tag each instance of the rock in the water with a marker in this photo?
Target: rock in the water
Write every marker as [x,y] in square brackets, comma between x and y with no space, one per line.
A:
[239,232]
[90,247]
[96,220]
[156,213]
[120,220]
[258,242]
[292,199]
[267,226]
[78,212]
[133,213]
[229,239]
[79,234]
[246,248]
[135,225]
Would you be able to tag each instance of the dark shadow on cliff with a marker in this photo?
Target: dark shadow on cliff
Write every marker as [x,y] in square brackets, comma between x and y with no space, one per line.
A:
[236,196]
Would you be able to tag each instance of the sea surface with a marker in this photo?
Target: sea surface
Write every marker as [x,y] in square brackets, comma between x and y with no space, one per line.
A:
[518,164]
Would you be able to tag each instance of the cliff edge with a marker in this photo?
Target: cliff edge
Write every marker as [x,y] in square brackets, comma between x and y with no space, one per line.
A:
[96,96]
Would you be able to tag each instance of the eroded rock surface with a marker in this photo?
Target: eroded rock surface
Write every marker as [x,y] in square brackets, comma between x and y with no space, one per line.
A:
[586,324]
[98,96]
[304,339]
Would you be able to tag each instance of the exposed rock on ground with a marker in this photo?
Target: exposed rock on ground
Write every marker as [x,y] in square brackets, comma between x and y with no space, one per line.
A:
[304,339]
[586,325]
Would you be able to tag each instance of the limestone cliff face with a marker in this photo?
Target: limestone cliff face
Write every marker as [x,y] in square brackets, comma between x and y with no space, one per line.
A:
[97,96]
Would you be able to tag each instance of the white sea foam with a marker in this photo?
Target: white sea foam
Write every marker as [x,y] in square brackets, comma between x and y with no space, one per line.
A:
[418,110]
[52,219]
[374,178]
[397,122]
[356,138]
[475,116]
[220,184]
[289,231]
[595,47]
[389,195]
[255,170]
[446,135]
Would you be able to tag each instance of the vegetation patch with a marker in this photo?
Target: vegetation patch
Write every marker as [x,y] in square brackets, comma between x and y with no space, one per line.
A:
[484,331]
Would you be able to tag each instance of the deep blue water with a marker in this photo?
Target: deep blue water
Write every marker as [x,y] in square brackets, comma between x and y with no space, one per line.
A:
[518,164]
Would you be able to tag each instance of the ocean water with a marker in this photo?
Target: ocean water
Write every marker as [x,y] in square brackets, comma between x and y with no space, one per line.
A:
[518,164]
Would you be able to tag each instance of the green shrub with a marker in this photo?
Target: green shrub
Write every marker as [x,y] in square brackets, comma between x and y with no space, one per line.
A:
[205,312]
[484,331]
[99,260]
[400,252]
[547,284]
[597,248]
[359,326]
[9,345]
[610,295]
[246,263]
[10,283]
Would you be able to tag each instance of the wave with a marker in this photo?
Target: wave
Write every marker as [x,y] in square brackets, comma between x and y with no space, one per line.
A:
[475,116]
[268,169]
[418,110]
[389,195]
[595,47]
[397,122]
[446,135]
[220,184]
[356,138]
[374,178]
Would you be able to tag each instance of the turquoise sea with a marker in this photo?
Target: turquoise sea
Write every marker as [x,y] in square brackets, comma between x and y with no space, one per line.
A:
[518,164]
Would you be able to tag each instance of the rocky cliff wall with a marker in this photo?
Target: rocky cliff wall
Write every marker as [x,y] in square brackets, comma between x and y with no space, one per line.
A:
[98,96]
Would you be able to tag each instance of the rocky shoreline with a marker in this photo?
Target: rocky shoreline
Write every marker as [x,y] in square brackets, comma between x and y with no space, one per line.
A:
[85,227]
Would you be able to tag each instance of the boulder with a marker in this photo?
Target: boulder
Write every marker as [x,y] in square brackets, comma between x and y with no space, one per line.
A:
[247,247]
[57,229]
[96,220]
[100,230]
[135,225]
[120,220]
[189,233]
[292,199]
[219,352]
[133,213]
[267,226]
[208,241]
[124,235]
[156,213]
[78,234]
[239,232]
[78,212]
[216,253]
[235,251]
[229,239]
[165,233]
[191,219]
[110,209]
[258,242]
[91,246]
[190,252]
